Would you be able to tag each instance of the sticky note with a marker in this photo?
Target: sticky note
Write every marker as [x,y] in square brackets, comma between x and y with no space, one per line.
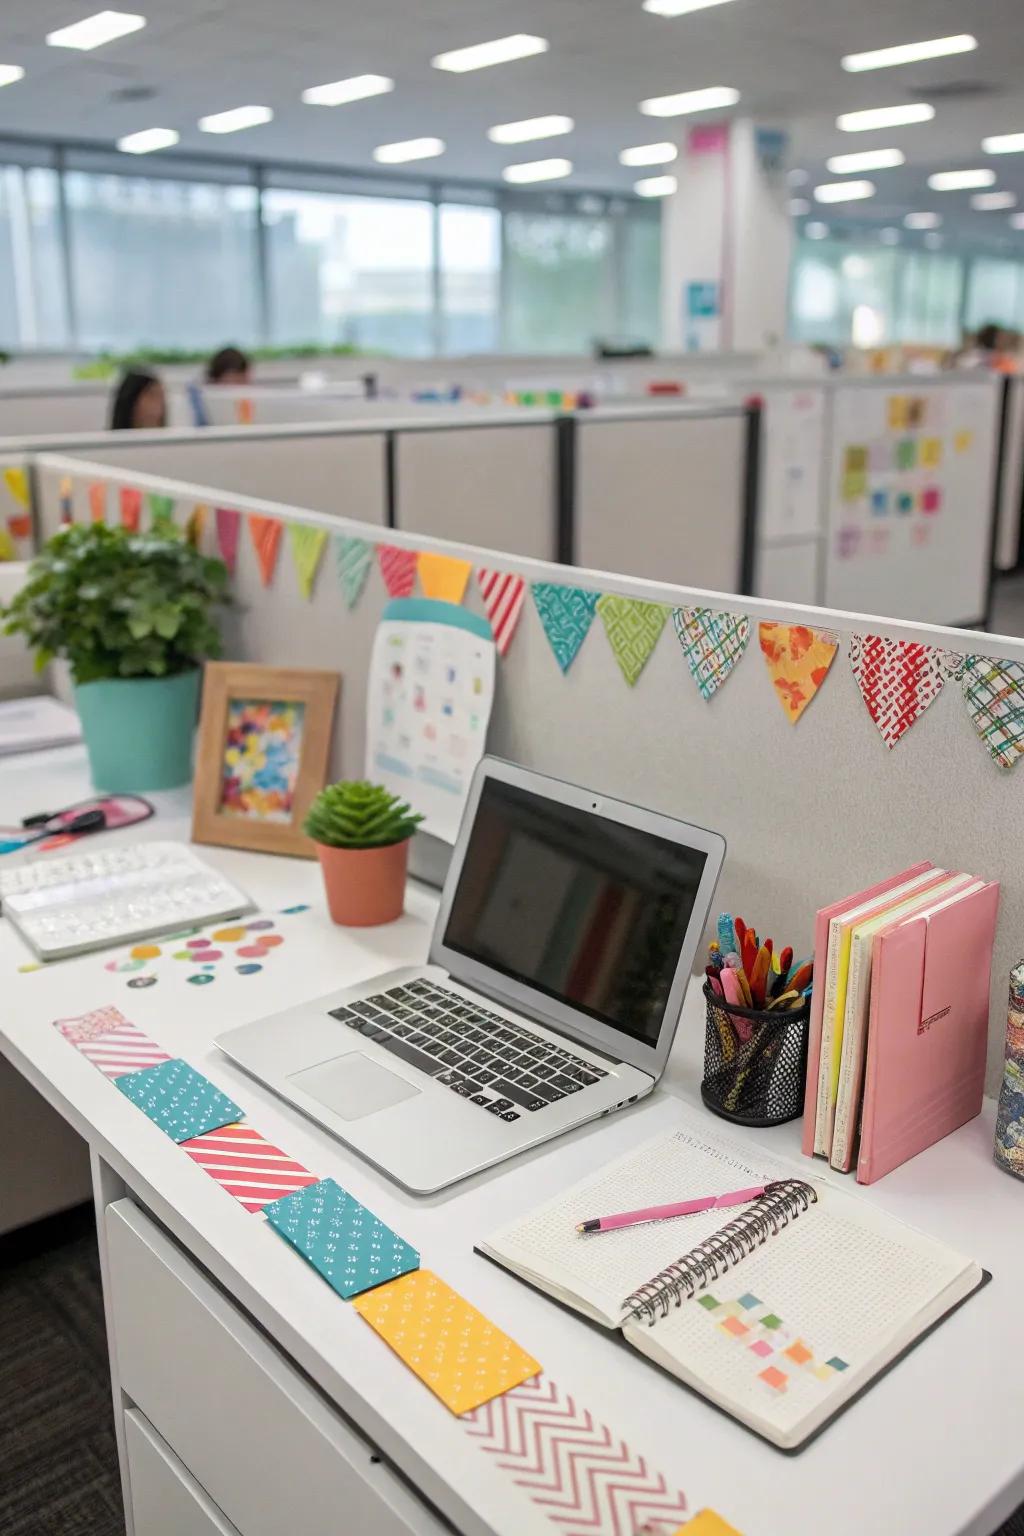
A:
[181,1101]
[931,499]
[906,453]
[855,485]
[964,441]
[897,412]
[458,1353]
[856,460]
[345,1243]
[931,452]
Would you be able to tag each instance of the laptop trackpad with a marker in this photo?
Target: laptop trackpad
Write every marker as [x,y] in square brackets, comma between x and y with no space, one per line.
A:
[353,1085]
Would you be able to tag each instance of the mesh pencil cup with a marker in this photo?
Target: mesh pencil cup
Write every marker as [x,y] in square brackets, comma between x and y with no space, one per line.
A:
[755,1060]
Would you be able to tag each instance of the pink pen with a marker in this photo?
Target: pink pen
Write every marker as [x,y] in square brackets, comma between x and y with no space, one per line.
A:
[665,1212]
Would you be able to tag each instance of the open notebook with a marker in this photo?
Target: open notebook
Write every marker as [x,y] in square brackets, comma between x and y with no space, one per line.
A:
[807,1295]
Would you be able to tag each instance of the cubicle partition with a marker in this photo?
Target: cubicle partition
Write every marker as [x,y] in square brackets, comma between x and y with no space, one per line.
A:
[48,408]
[1009,547]
[811,811]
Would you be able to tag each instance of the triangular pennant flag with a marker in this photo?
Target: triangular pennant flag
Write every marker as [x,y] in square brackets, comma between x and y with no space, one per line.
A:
[65,493]
[98,501]
[265,533]
[307,545]
[566,614]
[994,695]
[712,644]
[398,568]
[131,508]
[798,660]
[227,536]
[161,510]
[898,679]
[19,525]
[503,596]
[353,558]
[195,525]
[633,628]
[16,481]
[443,577]
[7,549]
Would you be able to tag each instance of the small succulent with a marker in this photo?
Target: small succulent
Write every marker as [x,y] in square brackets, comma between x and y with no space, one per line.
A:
[357,814]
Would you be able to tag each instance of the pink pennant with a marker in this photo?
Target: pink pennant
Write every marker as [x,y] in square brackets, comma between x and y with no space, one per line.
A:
[503,595]
[131,508]
[898,679]
[227,536]
[398,568]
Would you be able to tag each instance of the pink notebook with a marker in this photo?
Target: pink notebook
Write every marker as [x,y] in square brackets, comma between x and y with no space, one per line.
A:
[821,922]
[928,1030]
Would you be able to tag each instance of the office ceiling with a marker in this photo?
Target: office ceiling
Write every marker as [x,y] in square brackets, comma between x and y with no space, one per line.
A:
[202,56]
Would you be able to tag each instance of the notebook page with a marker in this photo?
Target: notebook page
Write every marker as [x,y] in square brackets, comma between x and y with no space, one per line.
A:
[597,1271]
[784,1336]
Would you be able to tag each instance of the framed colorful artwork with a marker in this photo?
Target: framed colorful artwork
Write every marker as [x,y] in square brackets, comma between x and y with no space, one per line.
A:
[264,741]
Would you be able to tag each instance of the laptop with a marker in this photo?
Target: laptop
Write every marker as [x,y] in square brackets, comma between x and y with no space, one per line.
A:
[558,964]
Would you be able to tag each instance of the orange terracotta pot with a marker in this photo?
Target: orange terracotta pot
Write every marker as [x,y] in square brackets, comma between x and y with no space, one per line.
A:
[365,886]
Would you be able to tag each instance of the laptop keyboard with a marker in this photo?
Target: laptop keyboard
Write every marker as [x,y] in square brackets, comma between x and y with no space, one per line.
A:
[479,1055]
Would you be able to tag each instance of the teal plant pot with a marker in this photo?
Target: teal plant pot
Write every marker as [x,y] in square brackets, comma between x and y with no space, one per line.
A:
[138,730]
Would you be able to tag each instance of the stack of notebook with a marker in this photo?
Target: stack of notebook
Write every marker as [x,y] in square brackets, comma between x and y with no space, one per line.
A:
[899,1018]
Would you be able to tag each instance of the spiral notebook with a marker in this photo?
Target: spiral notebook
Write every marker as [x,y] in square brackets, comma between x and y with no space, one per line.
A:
[780,1315]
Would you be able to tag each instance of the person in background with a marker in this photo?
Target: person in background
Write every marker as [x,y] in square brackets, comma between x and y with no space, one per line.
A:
[139,402]
[994,348]
[228,366]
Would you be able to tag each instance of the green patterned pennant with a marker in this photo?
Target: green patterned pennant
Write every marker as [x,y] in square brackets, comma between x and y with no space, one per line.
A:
[712,644]
[633,629]
[566,614]
[307,545]
[353,558]
[994,694]
[161,510]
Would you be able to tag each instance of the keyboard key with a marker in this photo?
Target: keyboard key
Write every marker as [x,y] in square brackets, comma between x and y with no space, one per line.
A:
[344,1016]
[565,1084]
[480,1098]
[508,1114]
[433,1047]
[409,1053]
[362,1007]
[485,1077]
[525,1097]
[549,1094]
[371,1030]
[500,1104]
[401,1030]
[450,1057]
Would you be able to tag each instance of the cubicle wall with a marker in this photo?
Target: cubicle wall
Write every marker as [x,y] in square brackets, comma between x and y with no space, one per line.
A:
[1011,500]
[810,811]
[54,408]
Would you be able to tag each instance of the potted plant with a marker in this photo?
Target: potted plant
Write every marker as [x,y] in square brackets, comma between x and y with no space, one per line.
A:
[362,837]
[132,613]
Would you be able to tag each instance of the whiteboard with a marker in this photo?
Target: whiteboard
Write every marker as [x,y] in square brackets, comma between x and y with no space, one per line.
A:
[792,451]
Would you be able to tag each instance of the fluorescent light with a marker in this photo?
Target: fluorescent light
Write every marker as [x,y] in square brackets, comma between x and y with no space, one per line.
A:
[992,202]
[909,53]
[885,117]
[656,186]
[148,139]
[1004,144]
[958,181]
[866,160]
[1017,220]
[799,207]
[649,154]
[816,231]
[933,242]
[844,191]
[679,7]
[482,55]
[922,221]
[408,149]
[94,31]
[889,236]
[530,128]
[9,73]
[691,101]
[235,120]
[538,170]
[337,92]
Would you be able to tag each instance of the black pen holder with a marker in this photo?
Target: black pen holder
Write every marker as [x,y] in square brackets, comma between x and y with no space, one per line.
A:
[755,1061]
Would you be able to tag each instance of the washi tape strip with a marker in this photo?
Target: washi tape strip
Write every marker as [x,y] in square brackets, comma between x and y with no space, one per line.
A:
[248,1166]
[107,1039]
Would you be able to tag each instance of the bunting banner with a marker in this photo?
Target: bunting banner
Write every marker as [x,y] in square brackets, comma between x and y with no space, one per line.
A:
[195,525]
[19,525]
[227,536]
[398,568]
[443,577]
[994,695]
[798,660]
[307,546]
[712,644]
[633,628]
[898,679]
[131,508]
[16,481]
[566,614]
[352,560]
[65,494]
[265,533]
[98,501]
[161,510]
[7,549]
[504,596]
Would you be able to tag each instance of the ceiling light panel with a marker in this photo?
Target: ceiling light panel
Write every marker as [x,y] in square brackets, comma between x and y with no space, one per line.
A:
[11,73]
[1004,144]
[649,154]
[844,191]
[679,7]
[337,93]
[960,181]
[867,160]
[993,202]
[94,31]
[798,207]
[885,117]
[147,140]
[235,120]
[816,231]
[656,186]
[909,53]
[1017,220]
[707,100]
[408,149]
[537,170]
[922,221]
[503,50]
[530,128]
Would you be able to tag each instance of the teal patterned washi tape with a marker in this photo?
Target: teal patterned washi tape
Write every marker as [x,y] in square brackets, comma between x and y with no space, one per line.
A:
[347,1244]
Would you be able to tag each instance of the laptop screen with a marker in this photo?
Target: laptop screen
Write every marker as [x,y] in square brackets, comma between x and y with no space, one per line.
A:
[584,909]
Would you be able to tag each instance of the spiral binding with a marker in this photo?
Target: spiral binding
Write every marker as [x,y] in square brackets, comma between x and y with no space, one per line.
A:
[781,1203]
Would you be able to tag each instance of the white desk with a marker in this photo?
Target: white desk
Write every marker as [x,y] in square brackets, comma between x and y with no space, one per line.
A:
[934,1449]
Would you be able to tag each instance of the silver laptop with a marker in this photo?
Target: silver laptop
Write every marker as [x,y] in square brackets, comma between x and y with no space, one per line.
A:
[557,970]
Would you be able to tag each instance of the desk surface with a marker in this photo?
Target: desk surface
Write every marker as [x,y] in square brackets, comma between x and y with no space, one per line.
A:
[934,1449]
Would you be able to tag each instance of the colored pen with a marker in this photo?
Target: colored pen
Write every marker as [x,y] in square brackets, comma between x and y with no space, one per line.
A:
[667,1212]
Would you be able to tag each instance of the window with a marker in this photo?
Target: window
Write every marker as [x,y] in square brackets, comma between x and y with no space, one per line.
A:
[470,278]
[346,270]
[928,309]
[162,263]
[995,294]
[640,235]
[33,309]
[559,282]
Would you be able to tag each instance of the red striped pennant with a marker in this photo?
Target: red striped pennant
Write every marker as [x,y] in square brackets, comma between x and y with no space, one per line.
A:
[398,568]
[248,1166]
[503,596]
[107,1039]
[585,1481]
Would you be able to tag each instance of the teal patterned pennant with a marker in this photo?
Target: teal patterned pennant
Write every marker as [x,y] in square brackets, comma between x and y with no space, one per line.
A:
[353,558]
[633,628]
[347,1244]
[566,614]
[712,644]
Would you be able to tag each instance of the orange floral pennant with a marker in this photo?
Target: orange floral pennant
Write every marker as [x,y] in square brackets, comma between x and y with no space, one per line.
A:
[798,660]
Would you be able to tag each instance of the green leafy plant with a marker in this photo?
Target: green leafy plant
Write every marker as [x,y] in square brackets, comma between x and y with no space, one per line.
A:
[357,814]
[119,604]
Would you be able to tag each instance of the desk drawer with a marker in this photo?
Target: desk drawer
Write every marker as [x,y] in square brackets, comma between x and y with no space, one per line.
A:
[166,1500]
[269,1451]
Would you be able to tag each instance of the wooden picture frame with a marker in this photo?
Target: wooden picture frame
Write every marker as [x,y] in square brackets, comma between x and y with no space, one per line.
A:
[254,789]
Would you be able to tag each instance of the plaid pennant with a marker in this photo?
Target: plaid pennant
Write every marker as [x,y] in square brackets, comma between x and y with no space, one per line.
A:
[712,644]
[353,558]
[994,695]
[798,660]
[566,614]
[503,596]
[898,679]
[633,628]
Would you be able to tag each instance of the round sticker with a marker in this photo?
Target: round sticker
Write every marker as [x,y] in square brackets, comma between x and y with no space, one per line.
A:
[204,955]
[197,944]
[145,951]
[248,970]
[201,978]
[34,965]
[251,951]
[229,935]
[261,922]
[303,906]
[183,954]
[142,981]
[125,965]
[269,940]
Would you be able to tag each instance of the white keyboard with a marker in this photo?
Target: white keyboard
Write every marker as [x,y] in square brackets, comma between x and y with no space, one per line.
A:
[114,896]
